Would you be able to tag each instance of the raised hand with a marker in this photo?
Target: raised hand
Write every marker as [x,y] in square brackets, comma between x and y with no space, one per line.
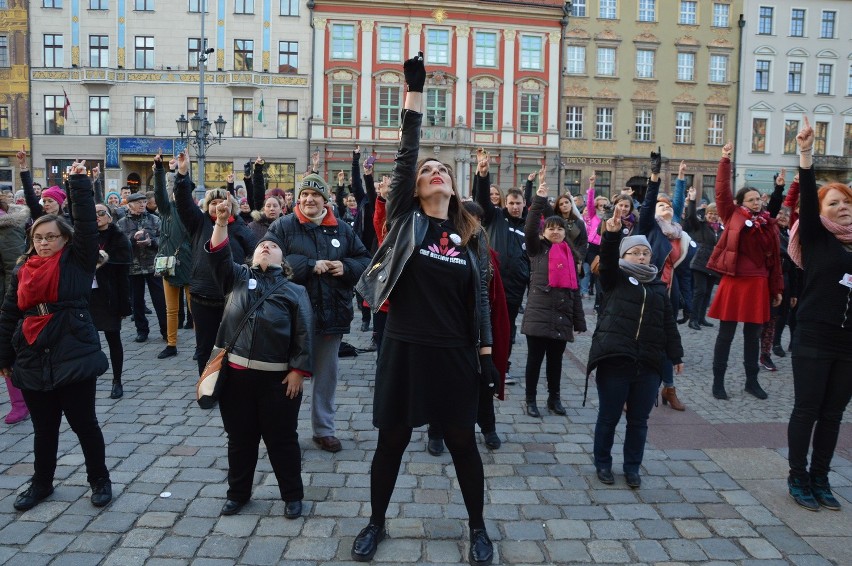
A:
[531,176]
[691,193]
[779,180]
[341,178]
[728,150]
[542,174]
[592,179]
[259,161]
[96,171]
[805,138]
[357,150]
[78,167]
[656,160]
[415,73]
[542,190]
[681,169]
[315,159]
[183,163]
[173,164]
[384,186]
[482,160]
[614,224]
[22,159]
[230,179]
[223,211]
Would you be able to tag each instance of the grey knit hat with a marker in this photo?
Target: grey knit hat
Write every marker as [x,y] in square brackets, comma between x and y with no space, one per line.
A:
[315,183]
[632,241]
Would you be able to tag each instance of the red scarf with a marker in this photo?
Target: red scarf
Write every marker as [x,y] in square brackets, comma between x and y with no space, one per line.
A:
[760,219]
[38,282]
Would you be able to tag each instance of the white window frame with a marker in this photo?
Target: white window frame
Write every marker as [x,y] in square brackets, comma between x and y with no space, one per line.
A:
[579,9]
[605,64]
[387,110]
[574,64]
[688,15]
[718,68]
[716,128]
[645,59]
[390,49]
[800,75]
[485,55]
[825,81]
[686,66]
[351,104]
[532,55]
[346,46]
[485,112]
[538,114]
[432,44]
[684,121]
[608,9]
[758,73]
[643,125]
[574,116]
[604,123]
[721,15]
[647,11]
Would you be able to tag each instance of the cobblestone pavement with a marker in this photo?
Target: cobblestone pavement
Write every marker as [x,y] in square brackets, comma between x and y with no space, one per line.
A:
[713,488]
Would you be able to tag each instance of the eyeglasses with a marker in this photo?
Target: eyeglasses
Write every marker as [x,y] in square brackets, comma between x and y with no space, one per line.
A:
[103,213]
[639,254]
[50,238]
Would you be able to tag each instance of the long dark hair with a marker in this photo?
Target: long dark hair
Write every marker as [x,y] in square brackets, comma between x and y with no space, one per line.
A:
[464,222]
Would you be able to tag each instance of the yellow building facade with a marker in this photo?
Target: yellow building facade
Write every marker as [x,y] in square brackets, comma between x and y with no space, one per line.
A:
[14,89]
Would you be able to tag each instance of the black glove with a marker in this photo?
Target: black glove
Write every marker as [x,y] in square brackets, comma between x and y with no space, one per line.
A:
[247,169]
[656,161]
[488,373]
[415,73]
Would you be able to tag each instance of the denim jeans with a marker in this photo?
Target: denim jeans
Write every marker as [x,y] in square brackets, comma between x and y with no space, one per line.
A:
[621,380]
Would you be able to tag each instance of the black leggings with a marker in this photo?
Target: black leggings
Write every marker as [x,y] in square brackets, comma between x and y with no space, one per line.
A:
[751,345]
[461,442]
[116,353]
[537,348]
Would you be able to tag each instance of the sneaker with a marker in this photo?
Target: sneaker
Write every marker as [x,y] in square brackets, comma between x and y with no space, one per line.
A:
[822,493]
[800,491]
[778,350]
[372,346]
[510,380]
[767,363]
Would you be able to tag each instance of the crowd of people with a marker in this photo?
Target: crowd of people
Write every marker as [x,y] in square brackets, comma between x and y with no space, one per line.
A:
[275,277]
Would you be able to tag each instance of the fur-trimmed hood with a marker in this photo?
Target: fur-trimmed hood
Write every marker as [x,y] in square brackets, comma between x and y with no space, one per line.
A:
[16,217]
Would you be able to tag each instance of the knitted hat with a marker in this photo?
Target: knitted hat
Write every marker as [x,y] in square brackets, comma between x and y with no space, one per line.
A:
[54,193]
[19,195]
[315,183]
[109,194]
[632,241]
[220,194]
[270,237]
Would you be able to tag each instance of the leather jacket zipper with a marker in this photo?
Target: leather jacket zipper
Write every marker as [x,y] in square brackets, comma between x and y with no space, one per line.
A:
[641,312]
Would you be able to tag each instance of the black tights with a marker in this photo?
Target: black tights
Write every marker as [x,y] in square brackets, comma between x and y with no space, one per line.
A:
[116,353]
[751,346]
[461,442]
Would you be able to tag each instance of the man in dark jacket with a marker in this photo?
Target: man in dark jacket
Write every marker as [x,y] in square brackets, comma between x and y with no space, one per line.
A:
[143,230]
[327,259]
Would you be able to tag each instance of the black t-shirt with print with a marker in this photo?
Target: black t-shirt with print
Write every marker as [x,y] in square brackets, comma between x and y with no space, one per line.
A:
[431,301]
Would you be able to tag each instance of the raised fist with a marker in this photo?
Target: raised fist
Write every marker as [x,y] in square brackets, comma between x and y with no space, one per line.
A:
[656,161]
[415,73]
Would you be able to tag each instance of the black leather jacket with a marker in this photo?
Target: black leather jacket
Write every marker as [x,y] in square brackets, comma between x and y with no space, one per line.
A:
[407,227]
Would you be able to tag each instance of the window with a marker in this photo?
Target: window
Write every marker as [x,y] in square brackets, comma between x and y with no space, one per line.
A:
[5,130]
[686,66]
[761,76]
[4,51]
[572,181]
[243,55]
[342,103]
[715,129]
[485,49]
[532,47]
[688,12]
[644,64]
[143,116]
[683,127]
[99,51]
[606,61]
[390,102]
[530,113]
[54,114]
[53,56]
[288,57]
[98,115]
[192,106]
[578,8]
[342,41]
[195,6]
[721,15]
[390,44]
[718,68]
[436,107]
[98,4]
[576,60]
[794,77]
[484,111]
[826,28]
[144,52]
[243,7]
[644,125]
[574,122]
[607,10]
[791,130]
[438,47]
[797,22]
[243,117]
[51,4]
[764,20]
[289,8]
[604,122]
[824,78]
[847,140]
[194,50]
[144,5]
[647,10]
[820,138]
[758,135]
[603,181]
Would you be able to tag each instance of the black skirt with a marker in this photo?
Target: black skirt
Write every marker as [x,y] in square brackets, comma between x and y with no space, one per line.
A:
[106,319]
[417,385]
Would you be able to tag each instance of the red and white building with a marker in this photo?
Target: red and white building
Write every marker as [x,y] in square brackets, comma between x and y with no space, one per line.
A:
[493,81]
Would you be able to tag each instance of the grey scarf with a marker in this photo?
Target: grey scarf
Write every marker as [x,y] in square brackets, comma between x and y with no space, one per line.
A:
[644,273]
[672,230]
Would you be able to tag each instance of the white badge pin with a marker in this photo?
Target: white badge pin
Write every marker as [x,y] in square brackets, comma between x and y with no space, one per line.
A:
[692,243]
[456,239]
[252,283]
[335,242]
[633,280]
[749,223]
[625,231]
[524,246]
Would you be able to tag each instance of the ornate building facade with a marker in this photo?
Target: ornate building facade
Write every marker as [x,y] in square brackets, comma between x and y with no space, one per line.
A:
[14,88]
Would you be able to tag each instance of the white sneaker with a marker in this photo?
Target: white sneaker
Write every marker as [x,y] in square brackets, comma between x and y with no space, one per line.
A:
[510,380]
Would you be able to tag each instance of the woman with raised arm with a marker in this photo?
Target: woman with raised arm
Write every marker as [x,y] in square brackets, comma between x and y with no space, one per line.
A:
[438,334]
[821,243]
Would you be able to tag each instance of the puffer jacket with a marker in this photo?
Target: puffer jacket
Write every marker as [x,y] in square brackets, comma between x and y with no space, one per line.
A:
[551,312]
[143,256]
[113,276]
[260,224]
[407,225]
[704,236]
[200,228]
[174,239]
[278,334]
[13,241]
[68,349]
[304,243]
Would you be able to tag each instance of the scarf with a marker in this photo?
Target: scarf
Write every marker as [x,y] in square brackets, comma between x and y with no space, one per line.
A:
[644,273]
[672,230]
[628,222]
[760,219]
[842,233]
[715,226]
[38,282]
[231,219]
[325,218]
[561,271]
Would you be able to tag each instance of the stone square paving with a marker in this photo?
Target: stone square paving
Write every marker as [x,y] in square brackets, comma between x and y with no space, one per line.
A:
[713,488]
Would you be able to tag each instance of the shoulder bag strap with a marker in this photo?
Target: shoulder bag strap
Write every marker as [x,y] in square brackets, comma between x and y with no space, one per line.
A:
[249,312]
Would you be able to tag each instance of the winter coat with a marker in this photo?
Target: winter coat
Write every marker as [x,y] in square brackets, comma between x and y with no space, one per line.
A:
[113,276]
[704,237]
[143,256]
[551,312]
[591,218]
[32,199]
[304,243]
[575,230]
[67,350]
[260,224]
[661,247]
[13,241]
[174,239]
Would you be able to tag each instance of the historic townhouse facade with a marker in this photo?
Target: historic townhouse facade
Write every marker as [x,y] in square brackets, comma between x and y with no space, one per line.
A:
[646,73]
[493,82]
[797,61]
[130,69]
[14,88]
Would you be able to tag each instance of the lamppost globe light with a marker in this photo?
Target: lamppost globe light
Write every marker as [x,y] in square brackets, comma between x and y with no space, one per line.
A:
[182,125]
[220,126]
[196,122]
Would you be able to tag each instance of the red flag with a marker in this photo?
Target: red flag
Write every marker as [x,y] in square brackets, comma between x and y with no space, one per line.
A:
[66,106]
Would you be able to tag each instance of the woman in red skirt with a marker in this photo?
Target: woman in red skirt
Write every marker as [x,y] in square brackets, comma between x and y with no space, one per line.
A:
[748,257]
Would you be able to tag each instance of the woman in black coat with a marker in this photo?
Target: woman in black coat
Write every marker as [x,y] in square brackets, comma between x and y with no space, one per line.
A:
[705,232]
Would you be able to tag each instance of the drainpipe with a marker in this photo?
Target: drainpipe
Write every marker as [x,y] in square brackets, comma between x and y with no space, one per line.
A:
[560,117]
[740,24]
[311,5]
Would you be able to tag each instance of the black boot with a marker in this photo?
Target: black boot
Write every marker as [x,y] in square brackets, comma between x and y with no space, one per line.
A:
[693,324]
[554,405]
[532,409]
[719,382]
[753,386]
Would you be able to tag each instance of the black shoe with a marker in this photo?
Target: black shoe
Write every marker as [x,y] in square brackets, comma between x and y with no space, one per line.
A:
[372,346]
[778,350]
[532,409]
[755,389]
[188,325]
[141,337]
[554,405]
[32,496]
[683,319]
[117,390]
[365,326]
[634,481]
[148,311]
[195,357]
[167,352]
[101,492]
[800,491]
[704,322]
[492,441]
[605,476]
[693,324]
[481,549]
[822,493]
[720,393]
[232,507]
[435,446]
[293,509]
[367,542]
